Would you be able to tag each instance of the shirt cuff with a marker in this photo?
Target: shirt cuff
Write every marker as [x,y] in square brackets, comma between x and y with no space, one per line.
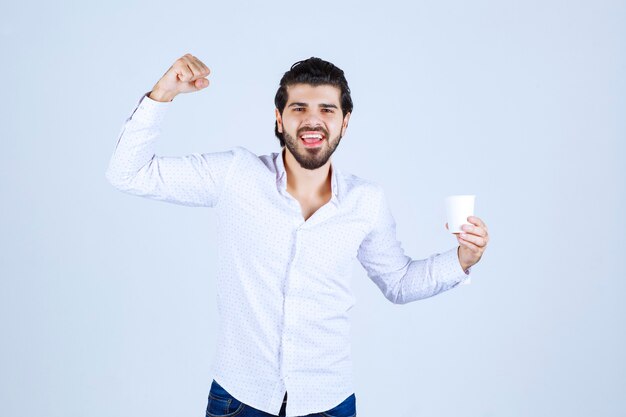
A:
[451,269]
[150,111]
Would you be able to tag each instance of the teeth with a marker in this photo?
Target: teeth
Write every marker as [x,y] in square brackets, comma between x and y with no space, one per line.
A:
[311,136]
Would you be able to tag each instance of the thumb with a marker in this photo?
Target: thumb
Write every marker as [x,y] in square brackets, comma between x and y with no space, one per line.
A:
[201,83]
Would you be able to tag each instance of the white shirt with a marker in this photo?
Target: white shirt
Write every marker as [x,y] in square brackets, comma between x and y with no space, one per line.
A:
[283,284]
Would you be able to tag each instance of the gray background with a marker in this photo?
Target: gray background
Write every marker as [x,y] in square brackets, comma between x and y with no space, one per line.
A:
[107,300]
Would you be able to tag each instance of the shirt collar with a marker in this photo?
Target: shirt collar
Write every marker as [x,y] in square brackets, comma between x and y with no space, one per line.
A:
[281,176]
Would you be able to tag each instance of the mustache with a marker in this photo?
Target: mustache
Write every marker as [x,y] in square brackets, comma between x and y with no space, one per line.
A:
[312,129]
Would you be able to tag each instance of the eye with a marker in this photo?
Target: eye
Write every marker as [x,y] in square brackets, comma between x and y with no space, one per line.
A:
[298,108]
[328,110]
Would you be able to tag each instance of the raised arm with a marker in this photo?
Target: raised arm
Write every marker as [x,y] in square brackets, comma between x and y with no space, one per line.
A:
[192,180]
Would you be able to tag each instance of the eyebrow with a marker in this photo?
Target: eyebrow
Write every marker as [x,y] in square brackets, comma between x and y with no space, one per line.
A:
[324,105]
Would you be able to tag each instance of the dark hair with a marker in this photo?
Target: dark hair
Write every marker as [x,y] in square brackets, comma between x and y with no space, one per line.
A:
[312,71]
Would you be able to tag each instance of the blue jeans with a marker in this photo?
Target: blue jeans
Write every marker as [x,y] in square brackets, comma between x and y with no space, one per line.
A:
[222,404]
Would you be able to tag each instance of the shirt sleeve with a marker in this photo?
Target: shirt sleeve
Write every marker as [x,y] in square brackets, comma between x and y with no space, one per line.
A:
[192,180]
[400,278]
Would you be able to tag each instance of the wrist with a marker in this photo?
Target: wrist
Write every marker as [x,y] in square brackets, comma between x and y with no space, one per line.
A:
[161,96]
[464,265]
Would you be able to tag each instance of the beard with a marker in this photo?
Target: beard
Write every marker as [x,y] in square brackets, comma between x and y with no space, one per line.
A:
[311,158]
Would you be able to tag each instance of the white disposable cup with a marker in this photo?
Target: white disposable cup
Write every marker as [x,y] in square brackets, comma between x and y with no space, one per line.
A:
[458,209]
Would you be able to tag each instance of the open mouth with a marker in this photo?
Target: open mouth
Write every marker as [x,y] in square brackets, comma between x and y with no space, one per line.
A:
[311,139]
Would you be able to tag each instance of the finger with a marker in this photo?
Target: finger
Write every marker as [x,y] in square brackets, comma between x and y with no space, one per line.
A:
[201,83]
[476,240]
[194,70]
[183,71]
[197,71]
[201,65]
[469,245]
[477,221]
[474,230]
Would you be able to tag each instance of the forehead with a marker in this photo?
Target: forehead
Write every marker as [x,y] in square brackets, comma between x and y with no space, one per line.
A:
[306,93]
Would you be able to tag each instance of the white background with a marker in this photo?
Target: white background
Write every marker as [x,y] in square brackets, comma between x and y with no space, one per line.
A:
[107,300]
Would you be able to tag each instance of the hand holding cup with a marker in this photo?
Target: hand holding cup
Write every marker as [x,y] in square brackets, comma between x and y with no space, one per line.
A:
[471,232]
[473,240]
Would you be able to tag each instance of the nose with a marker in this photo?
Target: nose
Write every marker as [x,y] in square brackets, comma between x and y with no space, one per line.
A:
[312,120]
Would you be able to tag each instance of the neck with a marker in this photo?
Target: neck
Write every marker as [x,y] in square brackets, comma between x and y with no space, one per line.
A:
[307,182]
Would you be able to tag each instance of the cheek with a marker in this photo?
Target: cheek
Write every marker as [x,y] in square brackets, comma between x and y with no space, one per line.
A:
[336,125]
[291,124]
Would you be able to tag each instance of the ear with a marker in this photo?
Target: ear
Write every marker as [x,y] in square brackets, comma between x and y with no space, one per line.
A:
[346,118]
[279,120]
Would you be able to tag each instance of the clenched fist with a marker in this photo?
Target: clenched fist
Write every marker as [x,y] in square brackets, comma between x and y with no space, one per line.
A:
[186,75]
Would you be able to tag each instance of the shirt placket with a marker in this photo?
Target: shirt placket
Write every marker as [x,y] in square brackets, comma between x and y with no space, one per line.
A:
[289,289]
[290,308]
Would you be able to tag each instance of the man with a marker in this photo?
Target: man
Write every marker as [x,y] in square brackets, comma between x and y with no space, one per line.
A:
[290,225]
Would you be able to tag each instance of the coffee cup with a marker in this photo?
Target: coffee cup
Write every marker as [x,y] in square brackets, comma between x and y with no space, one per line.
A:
[458,209]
